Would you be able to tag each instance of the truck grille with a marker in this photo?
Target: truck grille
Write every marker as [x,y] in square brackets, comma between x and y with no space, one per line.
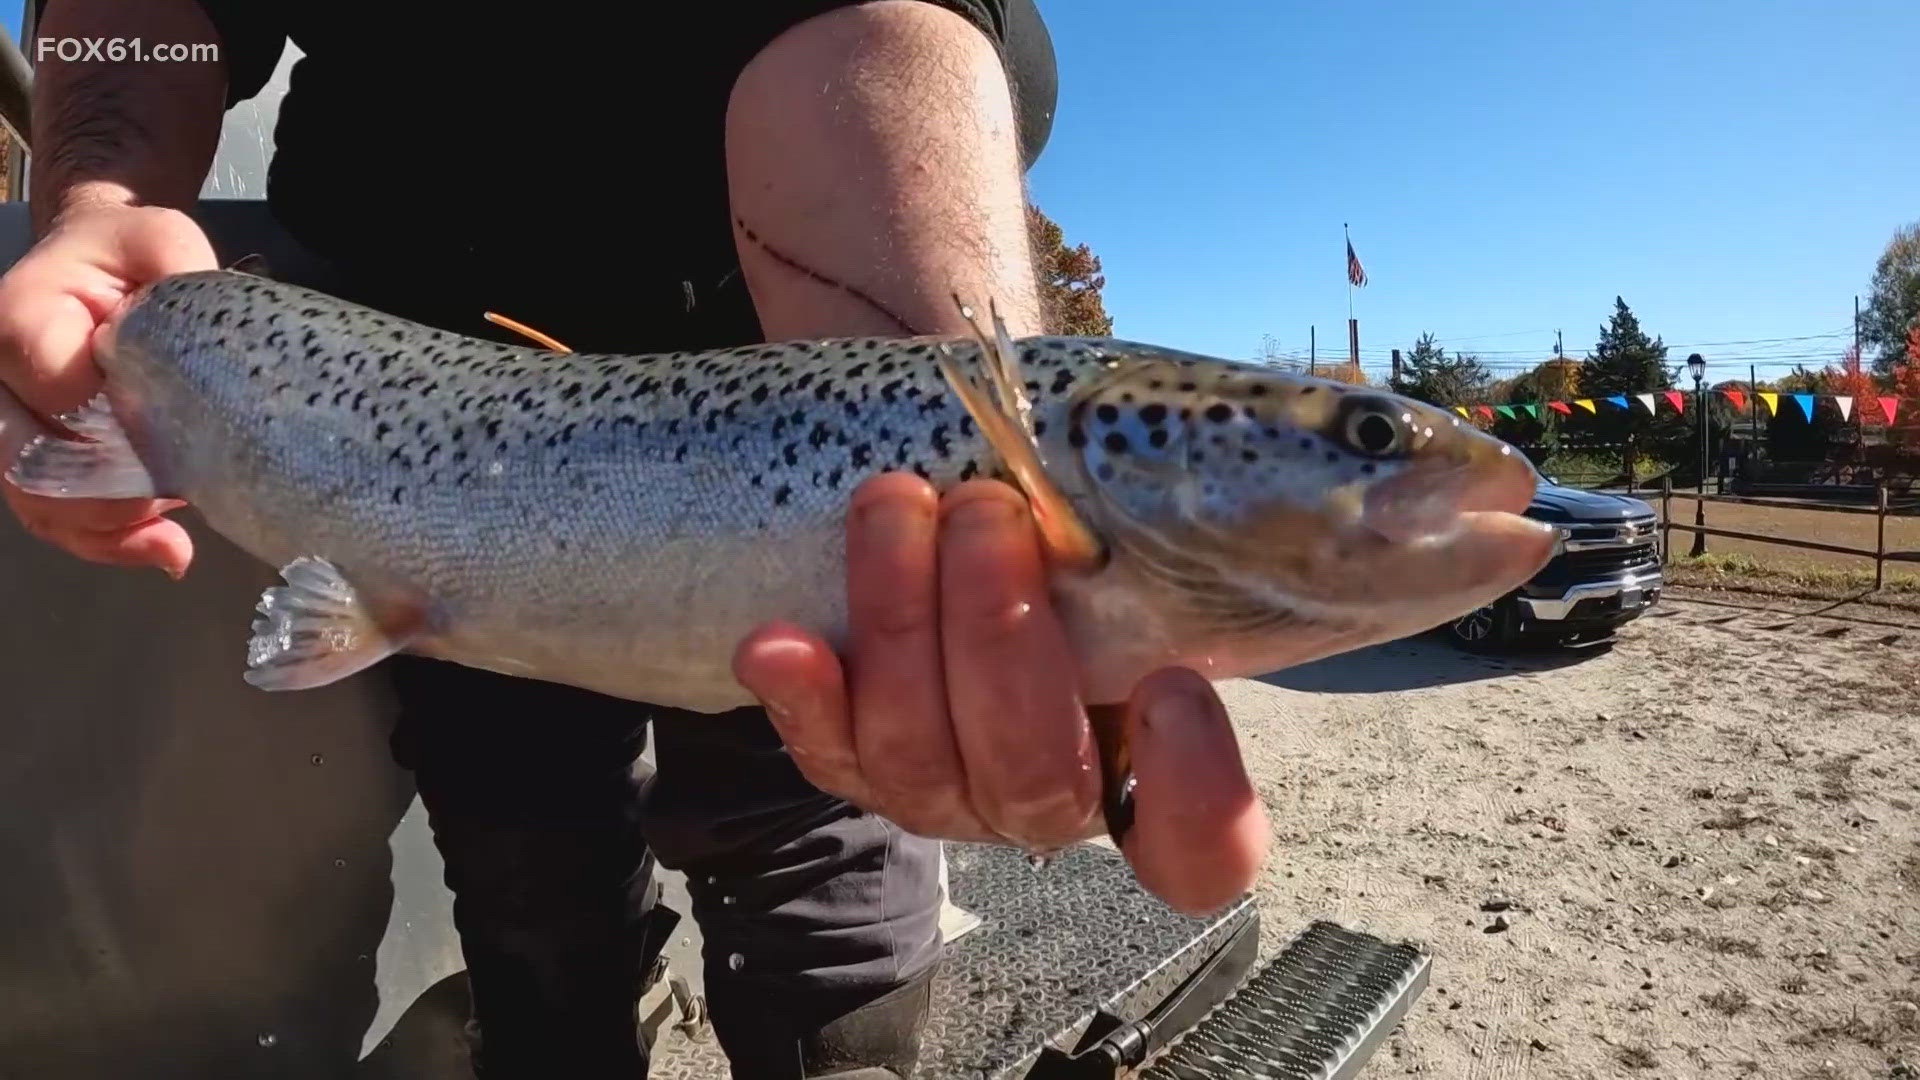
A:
[1602,552]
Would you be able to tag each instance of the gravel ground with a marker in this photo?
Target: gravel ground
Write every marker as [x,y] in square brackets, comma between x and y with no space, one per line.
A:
[1694,853]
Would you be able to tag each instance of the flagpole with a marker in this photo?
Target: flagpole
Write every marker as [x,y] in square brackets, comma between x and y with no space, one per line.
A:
[1348,236]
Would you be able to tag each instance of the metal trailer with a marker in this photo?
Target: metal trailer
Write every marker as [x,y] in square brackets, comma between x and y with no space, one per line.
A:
[206,881]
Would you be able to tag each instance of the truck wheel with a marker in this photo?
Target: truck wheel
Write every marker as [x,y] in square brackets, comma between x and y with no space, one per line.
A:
[1488,628]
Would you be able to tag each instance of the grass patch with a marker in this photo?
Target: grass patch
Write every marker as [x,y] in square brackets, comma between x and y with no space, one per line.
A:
[1740,572]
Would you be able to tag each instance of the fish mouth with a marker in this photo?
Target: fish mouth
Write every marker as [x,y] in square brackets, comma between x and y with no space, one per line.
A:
[1425,505]
[1459,536]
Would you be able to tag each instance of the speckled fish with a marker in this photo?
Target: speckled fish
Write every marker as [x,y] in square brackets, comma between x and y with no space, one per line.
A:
[619,523]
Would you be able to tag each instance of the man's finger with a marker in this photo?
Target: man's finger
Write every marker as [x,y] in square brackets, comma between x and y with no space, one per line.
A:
[1200,832]
[1011,682]
[902,736]
[798,679]
[156,542]
[46,352]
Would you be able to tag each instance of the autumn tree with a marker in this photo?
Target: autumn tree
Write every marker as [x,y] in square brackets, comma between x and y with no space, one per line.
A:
[1070,280]
[1849,378]
[1427,373]
[1893,307]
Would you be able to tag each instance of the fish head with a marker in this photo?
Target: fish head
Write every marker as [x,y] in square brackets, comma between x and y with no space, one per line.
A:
[1290,517]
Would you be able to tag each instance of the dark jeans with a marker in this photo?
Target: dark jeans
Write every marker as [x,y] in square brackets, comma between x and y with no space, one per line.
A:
[809,908]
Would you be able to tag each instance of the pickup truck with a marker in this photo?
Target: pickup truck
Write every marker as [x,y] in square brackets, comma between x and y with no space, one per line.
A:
[1605,572]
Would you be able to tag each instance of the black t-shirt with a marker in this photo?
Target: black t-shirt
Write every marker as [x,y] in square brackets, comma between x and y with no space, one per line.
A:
[565,167]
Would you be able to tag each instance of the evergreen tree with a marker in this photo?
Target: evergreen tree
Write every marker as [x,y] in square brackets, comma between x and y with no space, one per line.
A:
[1625,361]
[1428,374]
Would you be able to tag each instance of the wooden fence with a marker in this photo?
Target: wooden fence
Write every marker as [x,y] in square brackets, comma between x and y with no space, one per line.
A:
[1883,507]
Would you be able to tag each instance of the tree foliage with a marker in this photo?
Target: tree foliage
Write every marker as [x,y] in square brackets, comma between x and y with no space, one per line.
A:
[1070,280]
[1850,378]
[1428,374]
[1892,314]
[1625,360]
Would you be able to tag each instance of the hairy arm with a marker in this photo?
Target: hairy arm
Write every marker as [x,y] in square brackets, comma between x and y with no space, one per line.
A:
[123,133]
[874,171]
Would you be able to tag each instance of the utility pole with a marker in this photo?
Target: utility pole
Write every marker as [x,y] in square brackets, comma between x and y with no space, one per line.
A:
[1313,349]
[1856,327]
[1559,352]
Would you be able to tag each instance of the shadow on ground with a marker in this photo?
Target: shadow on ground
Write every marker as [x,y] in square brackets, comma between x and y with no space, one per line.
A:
[1421,661]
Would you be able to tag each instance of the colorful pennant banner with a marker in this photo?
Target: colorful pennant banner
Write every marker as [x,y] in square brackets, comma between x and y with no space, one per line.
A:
[1887,407]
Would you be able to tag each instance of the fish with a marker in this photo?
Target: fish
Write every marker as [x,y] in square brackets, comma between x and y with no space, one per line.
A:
[620,523]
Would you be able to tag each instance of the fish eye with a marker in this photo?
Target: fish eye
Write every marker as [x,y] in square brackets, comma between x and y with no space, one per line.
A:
[1372,428]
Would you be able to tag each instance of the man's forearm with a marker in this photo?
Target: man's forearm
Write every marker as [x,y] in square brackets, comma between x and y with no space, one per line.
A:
[123,131]
[875,172]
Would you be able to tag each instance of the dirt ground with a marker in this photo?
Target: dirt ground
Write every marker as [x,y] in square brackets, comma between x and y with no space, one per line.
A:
[1798,523]
[1693,854]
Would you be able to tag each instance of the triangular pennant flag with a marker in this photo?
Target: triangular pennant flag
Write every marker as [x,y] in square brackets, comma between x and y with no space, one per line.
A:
[1739,399]
[1533,410]
[1773,403]
[1560,407]
[1587,404]
[1506,411]
[1620,400]
[1887,405]
[1462,410]
[1805,401]
[1486,410]
[1647,400]
[1678,400]
[1846,405]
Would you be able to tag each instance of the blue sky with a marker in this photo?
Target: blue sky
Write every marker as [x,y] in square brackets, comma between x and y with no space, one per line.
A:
[1731,168]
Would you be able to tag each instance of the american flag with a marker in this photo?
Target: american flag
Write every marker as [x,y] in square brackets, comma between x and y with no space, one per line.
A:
[1355,274]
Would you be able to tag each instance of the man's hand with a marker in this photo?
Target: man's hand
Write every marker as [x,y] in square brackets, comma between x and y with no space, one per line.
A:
[956,712]
[51,303]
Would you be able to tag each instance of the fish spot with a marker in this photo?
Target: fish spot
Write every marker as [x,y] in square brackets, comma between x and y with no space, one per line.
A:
[1249,456]
[1188,388]
[1105,470]
[1107,413]
[1220,412]
[1257,390]
[1115,442]
[1076,437]
[1155,413]
[1305,390]
[1157,438]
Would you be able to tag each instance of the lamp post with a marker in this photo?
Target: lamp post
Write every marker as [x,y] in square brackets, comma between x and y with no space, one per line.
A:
[1697,367]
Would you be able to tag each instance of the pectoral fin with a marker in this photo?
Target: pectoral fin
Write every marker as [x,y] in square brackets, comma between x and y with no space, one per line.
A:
[101,464]
[316,629]
[1005,422]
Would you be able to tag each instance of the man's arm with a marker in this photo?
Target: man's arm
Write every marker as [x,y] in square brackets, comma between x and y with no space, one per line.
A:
[874,167]
[120,132]
[875,171]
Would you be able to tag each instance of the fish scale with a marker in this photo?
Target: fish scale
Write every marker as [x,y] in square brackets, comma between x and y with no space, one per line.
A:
[620,522]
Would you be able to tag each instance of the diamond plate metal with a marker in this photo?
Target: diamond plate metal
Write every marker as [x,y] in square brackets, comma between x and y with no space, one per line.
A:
[1054,946]
[1317,1011]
